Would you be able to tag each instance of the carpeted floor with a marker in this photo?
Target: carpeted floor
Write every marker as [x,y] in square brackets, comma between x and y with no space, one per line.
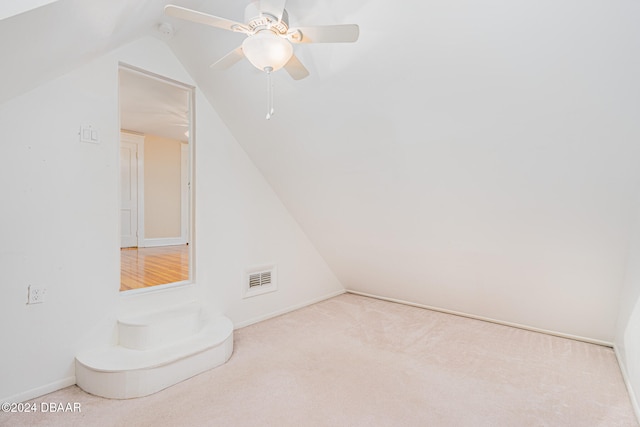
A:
[356,361]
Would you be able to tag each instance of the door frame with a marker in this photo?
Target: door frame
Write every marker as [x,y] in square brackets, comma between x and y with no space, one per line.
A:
[185,186]
[190,177]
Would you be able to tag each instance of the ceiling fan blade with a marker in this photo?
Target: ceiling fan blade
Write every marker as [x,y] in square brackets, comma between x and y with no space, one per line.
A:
[295,68]
[273,7]
[345,33]
[228,60]
[204,18]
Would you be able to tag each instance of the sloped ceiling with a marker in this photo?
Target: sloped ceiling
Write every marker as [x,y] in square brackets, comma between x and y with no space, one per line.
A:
[47,41]
[477,156]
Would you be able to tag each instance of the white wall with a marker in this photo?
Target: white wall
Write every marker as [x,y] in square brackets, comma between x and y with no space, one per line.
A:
[60,223]
[240,224]
[627,343]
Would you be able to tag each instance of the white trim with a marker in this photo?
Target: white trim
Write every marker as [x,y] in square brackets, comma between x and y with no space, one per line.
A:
[191,176]
[155,288]
[141,191]
[190,216]
[40,391]
[632,395]
[155,76]
[286,310]
[162,241]
[184,192]
[487,319]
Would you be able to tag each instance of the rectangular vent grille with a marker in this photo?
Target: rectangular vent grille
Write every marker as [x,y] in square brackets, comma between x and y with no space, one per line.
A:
[260,279]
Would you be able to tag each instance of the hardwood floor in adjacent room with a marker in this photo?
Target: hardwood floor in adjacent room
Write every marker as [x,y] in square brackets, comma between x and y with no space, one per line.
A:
[144,267]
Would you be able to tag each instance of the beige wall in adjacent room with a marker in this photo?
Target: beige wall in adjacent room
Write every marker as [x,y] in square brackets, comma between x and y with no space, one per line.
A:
[161,187]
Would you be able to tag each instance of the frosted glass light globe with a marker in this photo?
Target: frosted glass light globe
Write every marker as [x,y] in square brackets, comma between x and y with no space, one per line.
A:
[267,49]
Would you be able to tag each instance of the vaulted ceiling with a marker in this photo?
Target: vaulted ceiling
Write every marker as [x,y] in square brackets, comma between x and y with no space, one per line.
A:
[459,147]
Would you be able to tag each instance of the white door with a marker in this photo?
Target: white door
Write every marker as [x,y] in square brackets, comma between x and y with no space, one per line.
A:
[129,194]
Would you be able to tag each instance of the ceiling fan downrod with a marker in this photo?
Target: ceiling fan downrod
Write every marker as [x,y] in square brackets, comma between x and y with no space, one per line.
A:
[270,110]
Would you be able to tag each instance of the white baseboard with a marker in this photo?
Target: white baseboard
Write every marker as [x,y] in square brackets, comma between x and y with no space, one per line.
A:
[632,395]
[487,319]
[40,391]
[163,241]
[286,310]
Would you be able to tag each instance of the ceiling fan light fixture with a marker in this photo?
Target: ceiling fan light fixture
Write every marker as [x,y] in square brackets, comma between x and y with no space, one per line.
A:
[266,49]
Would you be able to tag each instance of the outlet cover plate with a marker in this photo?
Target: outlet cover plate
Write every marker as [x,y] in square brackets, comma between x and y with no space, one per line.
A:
[36,294]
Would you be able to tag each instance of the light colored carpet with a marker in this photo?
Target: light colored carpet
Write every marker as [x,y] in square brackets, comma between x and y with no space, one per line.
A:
[356,361]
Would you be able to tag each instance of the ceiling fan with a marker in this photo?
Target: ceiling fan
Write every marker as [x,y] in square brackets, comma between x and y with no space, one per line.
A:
[268,45]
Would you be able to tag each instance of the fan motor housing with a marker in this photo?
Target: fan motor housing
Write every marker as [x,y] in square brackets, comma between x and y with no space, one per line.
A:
[257,20]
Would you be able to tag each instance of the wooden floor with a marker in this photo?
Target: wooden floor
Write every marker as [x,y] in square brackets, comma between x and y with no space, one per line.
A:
[144,267]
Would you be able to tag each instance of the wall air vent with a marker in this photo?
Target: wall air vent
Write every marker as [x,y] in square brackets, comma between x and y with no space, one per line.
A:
[259,280]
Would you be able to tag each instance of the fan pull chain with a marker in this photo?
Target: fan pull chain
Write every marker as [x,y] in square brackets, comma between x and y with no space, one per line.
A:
[268,70]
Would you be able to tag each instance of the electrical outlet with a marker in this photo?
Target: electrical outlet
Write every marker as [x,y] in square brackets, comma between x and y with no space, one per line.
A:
[36,294]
